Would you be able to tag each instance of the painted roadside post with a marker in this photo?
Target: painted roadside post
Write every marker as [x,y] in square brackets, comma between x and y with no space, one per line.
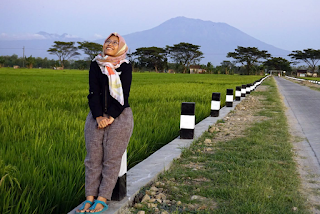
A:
[215,105]
[252,87]
[187,120]
[243,90]
[229,98]
[248,89]
[238,93]
[120,190]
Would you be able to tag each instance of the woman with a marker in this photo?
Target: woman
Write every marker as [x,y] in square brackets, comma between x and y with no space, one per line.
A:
[109,124]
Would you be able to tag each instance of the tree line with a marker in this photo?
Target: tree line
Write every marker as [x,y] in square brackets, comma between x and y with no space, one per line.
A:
[182,56]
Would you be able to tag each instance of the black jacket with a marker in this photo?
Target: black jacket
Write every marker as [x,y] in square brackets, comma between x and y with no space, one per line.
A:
[99,103]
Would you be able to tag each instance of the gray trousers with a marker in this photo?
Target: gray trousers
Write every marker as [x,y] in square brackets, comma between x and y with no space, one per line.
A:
[105,148]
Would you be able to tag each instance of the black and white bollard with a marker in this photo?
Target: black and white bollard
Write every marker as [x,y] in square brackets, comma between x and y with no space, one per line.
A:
[229,98]
[120,190]
[238,93]
[187,120]
[248,89]
[215,105]
[243,90]
[252,86]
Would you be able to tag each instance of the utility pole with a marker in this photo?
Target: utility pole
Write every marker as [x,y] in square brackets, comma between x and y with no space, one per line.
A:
[23,58]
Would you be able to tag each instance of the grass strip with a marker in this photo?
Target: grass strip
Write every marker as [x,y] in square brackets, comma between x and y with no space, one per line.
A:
[252,174]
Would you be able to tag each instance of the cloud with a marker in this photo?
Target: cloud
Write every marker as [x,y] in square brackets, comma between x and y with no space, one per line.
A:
[24,36]
[98,36]
[69,36]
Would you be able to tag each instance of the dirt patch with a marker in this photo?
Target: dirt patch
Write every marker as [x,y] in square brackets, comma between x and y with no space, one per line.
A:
[306,83]
[309,84]
[245,114]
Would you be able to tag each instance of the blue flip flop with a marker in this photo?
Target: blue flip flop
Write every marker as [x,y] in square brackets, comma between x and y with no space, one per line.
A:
[82,207]
[99,202]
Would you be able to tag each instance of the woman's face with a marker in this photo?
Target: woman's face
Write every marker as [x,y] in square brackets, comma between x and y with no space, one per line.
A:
[111,46]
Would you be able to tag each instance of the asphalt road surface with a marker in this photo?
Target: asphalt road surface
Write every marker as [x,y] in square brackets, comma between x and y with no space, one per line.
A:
[305,105]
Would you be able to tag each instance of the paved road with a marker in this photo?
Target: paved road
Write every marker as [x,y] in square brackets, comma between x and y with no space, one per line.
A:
[305,106]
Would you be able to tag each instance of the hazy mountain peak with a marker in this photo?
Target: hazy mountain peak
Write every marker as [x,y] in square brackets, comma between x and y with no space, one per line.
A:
[184,21]
[64,36]
[48,35]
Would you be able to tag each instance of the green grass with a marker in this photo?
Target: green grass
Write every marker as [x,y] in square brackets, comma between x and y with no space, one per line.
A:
[251,174]
[311,78]
[42,120]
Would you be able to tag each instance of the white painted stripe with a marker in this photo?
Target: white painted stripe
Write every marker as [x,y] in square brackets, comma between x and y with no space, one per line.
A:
[215,105]
[243,90]
[247,89]
[123,168]
[238,93]
[229,98]
[187,121]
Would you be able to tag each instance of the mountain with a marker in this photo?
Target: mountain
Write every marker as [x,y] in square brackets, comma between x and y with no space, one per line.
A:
[35,47]
[216,40]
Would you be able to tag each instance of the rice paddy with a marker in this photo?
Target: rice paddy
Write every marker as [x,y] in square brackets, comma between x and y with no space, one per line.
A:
[42,116]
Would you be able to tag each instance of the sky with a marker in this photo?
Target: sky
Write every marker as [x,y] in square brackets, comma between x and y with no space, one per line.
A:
[286,24]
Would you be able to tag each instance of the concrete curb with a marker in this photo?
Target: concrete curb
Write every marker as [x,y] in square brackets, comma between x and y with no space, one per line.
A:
[149,169]
[312,81]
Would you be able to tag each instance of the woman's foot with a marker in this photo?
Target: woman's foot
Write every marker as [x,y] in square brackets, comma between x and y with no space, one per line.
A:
[86,205]
[98,206]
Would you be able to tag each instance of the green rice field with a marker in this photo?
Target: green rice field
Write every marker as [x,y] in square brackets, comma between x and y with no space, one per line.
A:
[311,78]
[42,116]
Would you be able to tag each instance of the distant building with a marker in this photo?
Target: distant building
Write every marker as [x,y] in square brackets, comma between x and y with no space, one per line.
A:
[58,68]
[196,69]
[301,73]
[306,73]
[312,74]
[16,66]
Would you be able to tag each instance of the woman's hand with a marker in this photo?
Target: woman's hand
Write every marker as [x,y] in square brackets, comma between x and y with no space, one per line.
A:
[104,121]
[110,120]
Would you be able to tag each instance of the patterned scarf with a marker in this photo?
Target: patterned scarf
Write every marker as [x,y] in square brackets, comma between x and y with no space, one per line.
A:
[109,64]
